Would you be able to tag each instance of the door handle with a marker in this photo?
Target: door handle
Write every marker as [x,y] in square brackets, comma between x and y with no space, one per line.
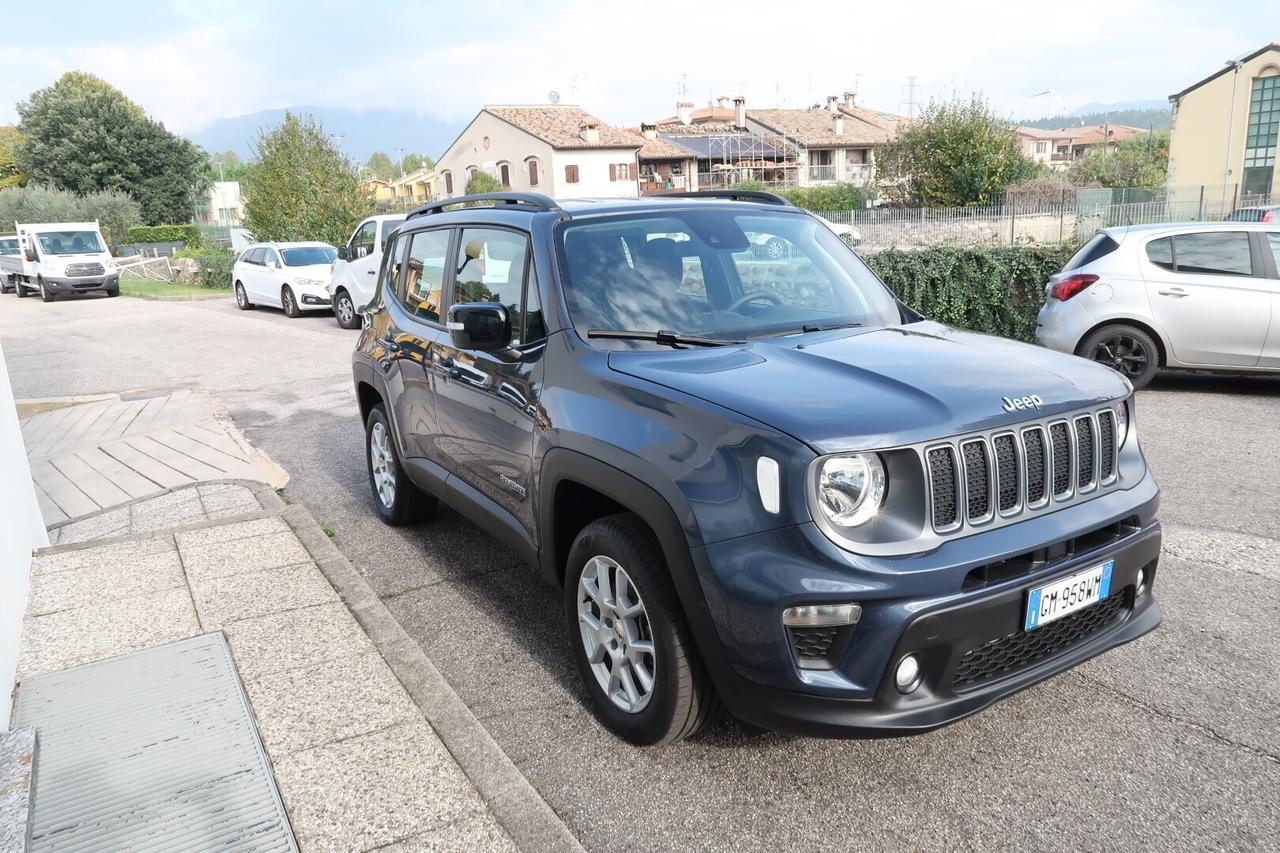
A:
[368,272]
[450,369]
[389,345]
[1176,292]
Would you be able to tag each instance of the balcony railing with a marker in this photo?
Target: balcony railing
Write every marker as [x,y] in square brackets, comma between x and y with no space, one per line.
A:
[857,173]
[818,174]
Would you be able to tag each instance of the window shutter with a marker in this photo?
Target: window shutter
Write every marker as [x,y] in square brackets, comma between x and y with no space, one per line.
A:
[613,171]
[533,173]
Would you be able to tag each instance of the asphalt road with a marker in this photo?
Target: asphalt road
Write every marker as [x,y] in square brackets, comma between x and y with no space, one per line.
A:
[1171,742]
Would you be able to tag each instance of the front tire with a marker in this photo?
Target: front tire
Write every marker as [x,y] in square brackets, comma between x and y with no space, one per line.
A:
[398,500]
[289,303]
[45,295]
[344,310]
[23,293]
[628,635]
[1126,349]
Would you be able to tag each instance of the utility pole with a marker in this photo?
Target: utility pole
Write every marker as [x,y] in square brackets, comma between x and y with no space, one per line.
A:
[1231,126]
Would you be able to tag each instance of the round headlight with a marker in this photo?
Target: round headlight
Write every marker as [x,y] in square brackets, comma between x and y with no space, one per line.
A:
[1122,423]
[851,489]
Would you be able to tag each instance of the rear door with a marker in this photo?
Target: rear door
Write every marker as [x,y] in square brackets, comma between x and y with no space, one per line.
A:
[1209,293]
[1270,243]
[251,273]
[488,401]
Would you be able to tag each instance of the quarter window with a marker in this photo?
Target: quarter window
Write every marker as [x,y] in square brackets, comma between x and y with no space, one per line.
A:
[1160,252]
[424,278]
[391,263]
[491,268]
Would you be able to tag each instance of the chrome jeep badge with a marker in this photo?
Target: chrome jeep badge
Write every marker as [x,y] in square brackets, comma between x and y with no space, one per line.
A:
[1014,404]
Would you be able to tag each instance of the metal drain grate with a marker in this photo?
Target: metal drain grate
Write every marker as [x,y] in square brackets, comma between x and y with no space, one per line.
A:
[155,750]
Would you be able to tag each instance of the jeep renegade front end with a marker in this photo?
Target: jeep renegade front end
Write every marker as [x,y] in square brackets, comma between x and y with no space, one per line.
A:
[760,481]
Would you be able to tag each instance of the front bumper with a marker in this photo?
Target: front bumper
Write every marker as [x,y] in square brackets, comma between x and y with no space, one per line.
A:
[81,284]
[920,605]
[313,297]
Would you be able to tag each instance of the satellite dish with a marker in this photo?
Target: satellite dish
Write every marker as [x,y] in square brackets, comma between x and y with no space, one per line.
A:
[553,96]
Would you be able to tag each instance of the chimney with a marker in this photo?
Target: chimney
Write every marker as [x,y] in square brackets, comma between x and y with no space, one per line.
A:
[849,99]
[721,102]
[649,131]
[684,112]
[589,131]
[833,103]
[739,111]
[837,124]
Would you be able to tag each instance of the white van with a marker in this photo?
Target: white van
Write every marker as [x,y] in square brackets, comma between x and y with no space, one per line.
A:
[65,257]
[355,274]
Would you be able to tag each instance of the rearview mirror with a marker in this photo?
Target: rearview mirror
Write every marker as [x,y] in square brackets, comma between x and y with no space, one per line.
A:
[480,326]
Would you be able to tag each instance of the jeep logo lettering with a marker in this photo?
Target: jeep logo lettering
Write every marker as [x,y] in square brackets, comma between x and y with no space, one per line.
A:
[1013,404]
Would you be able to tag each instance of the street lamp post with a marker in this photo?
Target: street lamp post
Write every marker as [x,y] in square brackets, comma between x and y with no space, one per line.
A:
[1235,66]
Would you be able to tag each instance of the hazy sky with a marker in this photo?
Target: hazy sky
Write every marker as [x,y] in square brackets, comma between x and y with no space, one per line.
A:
[191,63]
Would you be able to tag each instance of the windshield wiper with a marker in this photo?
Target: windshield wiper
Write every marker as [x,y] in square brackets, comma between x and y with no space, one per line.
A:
[662,336]
[811,327]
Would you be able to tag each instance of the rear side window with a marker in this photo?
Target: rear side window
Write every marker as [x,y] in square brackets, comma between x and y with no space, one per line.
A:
[1274,239]
[1207,252]
[389,225]
[254,256]
[1099,247]
[424,280]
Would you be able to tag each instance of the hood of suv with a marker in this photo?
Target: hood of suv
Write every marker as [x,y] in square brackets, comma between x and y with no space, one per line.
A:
[862,389]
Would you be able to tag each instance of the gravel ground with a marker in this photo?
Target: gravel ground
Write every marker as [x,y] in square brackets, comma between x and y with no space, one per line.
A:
[1171,742]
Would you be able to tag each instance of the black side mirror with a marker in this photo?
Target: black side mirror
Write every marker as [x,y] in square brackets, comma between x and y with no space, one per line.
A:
[480,326]
[32,256]
[343,254]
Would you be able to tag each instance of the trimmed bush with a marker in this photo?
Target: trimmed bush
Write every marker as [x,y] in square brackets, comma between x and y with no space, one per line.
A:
[115,211]
[998,290]
[839,196]
[215,265]
[188,233]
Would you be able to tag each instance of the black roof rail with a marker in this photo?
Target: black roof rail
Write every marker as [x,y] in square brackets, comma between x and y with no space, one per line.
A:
[735,195]
[535,201]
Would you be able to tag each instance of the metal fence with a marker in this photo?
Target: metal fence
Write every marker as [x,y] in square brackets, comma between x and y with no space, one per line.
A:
[1074,217]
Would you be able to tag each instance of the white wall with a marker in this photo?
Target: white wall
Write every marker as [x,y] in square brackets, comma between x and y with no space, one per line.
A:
[593,173]
[506,143]
[21,532]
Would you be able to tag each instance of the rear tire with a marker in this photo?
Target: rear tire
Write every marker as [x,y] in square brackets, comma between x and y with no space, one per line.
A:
[628,635]
[289,303]
[23,293]
[1128,350]
[344,310]
[398,500]
[242,298]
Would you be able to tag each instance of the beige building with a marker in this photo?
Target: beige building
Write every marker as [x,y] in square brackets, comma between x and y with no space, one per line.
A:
[1224,131]
[557,149]
[414,187]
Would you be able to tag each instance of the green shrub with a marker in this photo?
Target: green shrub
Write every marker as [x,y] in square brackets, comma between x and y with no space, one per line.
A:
[114,211]
[188,233]
[215,265]
[839,196]
[997,290]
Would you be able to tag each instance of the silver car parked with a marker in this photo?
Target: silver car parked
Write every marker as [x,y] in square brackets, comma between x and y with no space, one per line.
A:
[1202,295]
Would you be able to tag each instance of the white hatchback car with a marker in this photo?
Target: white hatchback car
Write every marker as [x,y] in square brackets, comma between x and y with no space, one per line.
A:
[292,276]
[1191,295]
[356,272]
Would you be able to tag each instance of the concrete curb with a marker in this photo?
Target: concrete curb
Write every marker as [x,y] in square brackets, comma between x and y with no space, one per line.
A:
[521,810]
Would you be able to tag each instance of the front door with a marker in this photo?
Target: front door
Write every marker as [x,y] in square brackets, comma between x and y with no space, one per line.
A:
[1209,296]
[488,401]
[363,262]
[1271,349]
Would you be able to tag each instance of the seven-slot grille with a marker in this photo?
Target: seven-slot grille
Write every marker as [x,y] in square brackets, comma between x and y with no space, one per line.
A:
[76,270]
[977,478]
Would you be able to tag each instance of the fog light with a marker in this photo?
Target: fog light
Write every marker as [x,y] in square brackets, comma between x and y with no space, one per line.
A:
[1141,585]
[907,676]
[821,615]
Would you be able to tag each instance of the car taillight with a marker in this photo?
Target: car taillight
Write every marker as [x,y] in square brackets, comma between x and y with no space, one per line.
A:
[1071,285]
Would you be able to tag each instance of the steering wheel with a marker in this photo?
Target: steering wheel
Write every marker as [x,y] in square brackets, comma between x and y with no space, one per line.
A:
[748,298]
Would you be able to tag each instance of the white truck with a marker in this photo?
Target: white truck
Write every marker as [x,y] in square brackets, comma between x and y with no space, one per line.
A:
[61,257]
[355,274]
[12,264]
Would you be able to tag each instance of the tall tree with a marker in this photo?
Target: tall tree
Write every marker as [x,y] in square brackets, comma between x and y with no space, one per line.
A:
[10,141]
[414,162]
[84,135]
[1139,161]
[380,166]
[303,187]
[227,166]
[959,153]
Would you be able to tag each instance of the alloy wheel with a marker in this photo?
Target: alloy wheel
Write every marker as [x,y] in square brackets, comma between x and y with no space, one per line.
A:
[241,299]
[616,634]
[289,307]
[382,462]
[1123,353]
[346,311]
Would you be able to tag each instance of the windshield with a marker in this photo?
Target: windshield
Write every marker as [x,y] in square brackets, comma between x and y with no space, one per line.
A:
[69,242]
[9,246]
[717,274]
[305,256]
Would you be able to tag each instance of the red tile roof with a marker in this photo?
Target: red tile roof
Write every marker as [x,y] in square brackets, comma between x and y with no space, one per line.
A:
[560,126]
[814,126]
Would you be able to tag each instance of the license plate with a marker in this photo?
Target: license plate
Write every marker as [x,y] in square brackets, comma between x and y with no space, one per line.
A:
[1066,596]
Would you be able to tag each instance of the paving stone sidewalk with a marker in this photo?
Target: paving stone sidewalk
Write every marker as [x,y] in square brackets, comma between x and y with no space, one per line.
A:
[357,756]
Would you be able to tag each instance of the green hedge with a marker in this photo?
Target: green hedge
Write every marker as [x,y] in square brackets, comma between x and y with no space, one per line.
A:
[838,196]
[189,234]
[993,290]
[215,265]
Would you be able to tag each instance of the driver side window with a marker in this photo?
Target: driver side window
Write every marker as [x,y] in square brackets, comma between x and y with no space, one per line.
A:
[363,241]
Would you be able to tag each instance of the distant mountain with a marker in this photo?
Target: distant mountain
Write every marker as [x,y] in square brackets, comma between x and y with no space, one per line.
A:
[1152,114]
[363,131]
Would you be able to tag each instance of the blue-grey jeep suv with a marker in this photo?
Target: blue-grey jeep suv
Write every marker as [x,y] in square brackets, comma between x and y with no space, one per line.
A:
[760,480]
